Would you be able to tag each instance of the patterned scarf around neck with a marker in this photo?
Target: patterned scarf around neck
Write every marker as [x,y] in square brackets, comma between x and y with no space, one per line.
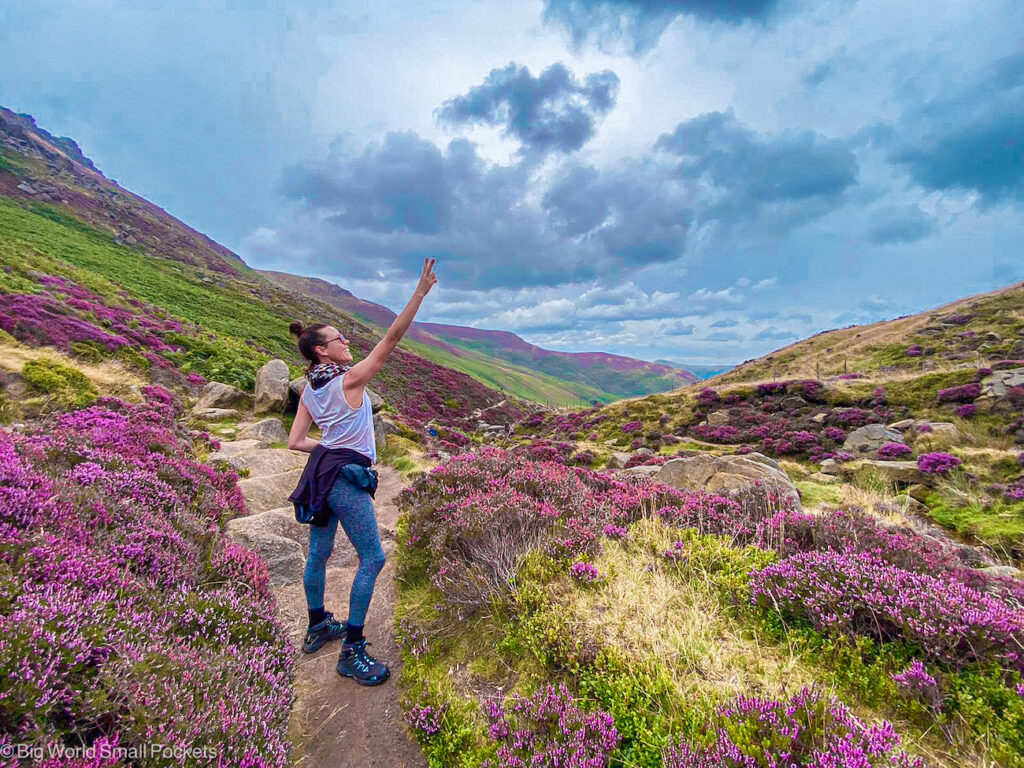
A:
[321,373]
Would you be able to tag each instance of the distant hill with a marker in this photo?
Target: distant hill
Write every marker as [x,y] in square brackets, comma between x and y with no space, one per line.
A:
[700,371]
[494,356]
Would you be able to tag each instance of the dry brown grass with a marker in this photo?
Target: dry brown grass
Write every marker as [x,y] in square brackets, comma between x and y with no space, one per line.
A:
[111,377]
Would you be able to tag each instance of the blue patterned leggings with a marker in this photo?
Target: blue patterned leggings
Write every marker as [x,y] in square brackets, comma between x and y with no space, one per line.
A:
[353,508]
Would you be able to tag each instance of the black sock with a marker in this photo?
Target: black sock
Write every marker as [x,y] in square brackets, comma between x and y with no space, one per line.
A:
[353,634]
[317,615]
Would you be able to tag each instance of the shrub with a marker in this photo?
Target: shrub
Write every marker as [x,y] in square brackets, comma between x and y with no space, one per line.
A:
[966,410]
[632,426]
[70,387]
[914,351]
[549,730]
[858,593]
[894,451]
[937,463]
[806,730]
[962,394]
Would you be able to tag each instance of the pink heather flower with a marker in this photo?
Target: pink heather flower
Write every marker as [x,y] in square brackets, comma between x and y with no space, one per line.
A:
[894,451]
[966,410]
[585,573]
[915,351]
[915,677]
[615,531]
[937,463]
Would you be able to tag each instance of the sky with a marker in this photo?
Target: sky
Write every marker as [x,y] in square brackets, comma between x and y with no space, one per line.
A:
[689,180]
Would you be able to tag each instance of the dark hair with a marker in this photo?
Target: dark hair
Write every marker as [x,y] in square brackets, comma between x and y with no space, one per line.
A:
[309,336]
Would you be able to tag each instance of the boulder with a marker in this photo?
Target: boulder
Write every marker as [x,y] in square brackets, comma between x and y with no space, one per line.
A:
[1003,572]
[903,424]
[260,462]
[618,460]
[266,431]
[904,472]
[718,418]
[646,453]
[269,491]
[870,438]
[218,395]
[1017,352]
[792,402]
[821,477]
[376,401]
[284,558]
[297,385]
[380,432]
[728,475]
[641,471]
[819,418]
[271,388]
[215,414]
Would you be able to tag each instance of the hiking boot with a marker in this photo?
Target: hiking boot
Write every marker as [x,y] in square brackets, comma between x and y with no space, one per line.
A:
[356,663]
[327,630]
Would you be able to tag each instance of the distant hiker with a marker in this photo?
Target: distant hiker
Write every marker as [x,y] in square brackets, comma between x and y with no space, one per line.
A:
[337,484]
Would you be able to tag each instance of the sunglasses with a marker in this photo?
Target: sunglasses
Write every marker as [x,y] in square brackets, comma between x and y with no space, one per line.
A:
[339,337]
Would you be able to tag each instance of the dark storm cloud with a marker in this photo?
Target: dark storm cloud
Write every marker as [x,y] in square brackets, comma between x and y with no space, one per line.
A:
[402,185]
[553,112]
[970,139]
[904,224]
[637,24]
[802,171]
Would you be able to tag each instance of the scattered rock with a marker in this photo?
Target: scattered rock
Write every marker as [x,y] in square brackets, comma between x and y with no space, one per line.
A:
[218,395]
[995,390]
[618,460]
[793,401]
[870,438]
[1004,572]
[904,424]
[942,428]
[819,418]
[646,453]
[266,431]
[718,418]
[297,385]
[271,387]
[821,477]
[642,471]
[284,558]
[993,336]
[831,467]
[894,471]
[731,475]
[215,414]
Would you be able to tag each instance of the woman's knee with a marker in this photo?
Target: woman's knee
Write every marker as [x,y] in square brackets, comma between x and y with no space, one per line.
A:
[375,561]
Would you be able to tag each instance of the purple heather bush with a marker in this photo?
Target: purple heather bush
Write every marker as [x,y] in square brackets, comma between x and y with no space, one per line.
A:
[584,572]
[914,351]
[632,426]
[549,730]
[858,593]
[966,410]
[962,394]
[835,434]
[708,397]
[808,729]
[131,618]
[891,451]
[771,388]
[915,679]
[937,463]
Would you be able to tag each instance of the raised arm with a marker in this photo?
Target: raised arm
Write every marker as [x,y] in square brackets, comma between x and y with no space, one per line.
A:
[359,375]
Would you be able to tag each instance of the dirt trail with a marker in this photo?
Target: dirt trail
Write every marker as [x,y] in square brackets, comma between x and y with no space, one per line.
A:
[337,723]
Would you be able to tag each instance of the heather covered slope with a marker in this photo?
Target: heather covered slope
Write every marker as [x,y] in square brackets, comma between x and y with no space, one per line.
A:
[94,272]
[502,359]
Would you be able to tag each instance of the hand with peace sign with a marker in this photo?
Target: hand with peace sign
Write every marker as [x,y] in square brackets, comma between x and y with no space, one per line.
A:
[427,278]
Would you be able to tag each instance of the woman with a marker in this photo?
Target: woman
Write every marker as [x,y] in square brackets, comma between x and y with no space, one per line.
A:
[337,483]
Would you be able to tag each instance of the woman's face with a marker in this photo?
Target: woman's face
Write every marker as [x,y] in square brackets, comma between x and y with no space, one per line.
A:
[335,347]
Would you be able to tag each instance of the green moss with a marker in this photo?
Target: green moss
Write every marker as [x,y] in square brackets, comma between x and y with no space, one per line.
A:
[69,387]
[813,493]
[91,351]
[999,524]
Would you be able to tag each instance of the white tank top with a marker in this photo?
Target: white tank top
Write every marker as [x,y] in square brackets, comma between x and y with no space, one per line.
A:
[342,425]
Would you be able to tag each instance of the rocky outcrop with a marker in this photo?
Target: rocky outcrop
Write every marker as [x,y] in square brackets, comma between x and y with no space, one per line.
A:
[618,460]
[268,491]
[376,401]
[870,438]
[265,431]
[215,414]
[718,418]
[271,388]
[218,395]
[380,432]
[999,392]
[728,475]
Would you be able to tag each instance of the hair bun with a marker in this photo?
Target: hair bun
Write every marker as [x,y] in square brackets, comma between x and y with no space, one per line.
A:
[295,328]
